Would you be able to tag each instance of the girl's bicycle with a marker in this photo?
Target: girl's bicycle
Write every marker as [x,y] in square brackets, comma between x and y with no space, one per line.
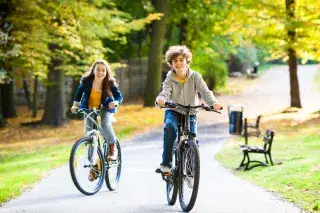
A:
[88,163]
[185,173]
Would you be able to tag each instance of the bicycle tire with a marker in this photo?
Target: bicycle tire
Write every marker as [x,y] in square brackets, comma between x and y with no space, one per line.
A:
[172,184]
[112,185]
[72,167]
[190,146]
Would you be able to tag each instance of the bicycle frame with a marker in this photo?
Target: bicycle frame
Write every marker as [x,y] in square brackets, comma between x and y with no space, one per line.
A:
[96,129]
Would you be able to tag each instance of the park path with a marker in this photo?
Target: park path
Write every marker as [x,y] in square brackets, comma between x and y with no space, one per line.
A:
[142,190]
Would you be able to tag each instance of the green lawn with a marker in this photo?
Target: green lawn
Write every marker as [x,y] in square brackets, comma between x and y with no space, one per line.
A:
[296,175]
[27,154]
[20,170]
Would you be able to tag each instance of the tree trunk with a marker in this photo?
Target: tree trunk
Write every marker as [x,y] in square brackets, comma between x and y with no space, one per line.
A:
[27,93]
[2,121]
[54,111]
[35,98]
[155,54]
[293,66]
[183,31]
[75,84]
[7,94]
[294,82]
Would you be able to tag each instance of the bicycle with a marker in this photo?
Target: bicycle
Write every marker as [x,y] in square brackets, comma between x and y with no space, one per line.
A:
[88,162]
[185,172]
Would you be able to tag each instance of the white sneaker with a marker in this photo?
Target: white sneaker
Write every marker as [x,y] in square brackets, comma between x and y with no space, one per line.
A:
[165,169]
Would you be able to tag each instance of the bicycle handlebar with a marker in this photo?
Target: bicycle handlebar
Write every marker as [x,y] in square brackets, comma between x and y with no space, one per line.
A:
[202,106]
[96,111]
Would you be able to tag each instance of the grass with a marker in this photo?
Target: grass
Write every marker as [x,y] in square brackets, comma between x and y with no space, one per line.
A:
[27,154]
[296,152]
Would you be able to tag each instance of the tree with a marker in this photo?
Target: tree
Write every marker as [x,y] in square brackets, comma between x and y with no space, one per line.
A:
[155,59]
[287,29]
[208,41]
[7,50]
[59,38]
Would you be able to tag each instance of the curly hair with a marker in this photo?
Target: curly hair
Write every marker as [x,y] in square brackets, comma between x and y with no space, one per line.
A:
[177,50]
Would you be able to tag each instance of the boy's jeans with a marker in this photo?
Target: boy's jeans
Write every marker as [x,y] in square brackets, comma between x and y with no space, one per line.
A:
[106,124]
[171,121]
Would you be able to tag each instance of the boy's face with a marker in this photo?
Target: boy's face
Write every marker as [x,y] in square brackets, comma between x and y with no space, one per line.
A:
[179,64]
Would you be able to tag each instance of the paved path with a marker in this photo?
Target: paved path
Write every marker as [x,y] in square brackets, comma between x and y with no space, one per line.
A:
[142,190]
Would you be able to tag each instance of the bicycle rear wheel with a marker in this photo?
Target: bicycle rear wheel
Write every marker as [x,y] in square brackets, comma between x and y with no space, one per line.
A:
[113,170]
[172,183]
[189,184]
[87,168]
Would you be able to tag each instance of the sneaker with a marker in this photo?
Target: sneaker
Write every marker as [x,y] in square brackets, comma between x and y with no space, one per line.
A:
[163,169]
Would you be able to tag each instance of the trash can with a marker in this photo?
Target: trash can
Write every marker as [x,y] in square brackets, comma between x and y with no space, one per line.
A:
[235,119]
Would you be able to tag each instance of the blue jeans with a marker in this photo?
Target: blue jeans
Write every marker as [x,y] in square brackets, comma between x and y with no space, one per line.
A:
[171,121]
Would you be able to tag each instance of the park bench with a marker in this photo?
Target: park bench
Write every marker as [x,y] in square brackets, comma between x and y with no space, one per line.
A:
[265,149]
[251,73]
[251,129]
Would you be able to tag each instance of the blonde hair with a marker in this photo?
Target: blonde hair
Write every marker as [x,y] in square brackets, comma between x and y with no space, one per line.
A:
[108,82]
[177,50]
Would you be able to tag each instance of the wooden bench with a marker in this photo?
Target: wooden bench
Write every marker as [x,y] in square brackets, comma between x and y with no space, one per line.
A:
[251,129]
[265,149]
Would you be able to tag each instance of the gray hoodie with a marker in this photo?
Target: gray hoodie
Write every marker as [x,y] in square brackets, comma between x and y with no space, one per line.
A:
[187,93]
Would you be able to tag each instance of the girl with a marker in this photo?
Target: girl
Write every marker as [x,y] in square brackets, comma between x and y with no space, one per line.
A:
[98,87]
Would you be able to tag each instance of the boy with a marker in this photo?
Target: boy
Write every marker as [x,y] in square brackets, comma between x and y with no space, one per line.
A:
[180,86]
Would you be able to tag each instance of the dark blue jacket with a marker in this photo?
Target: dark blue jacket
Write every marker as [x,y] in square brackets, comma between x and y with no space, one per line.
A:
[84,90]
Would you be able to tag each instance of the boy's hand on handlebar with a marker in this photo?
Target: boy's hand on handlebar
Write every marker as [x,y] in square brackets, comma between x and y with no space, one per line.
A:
[217,107]
[161,102]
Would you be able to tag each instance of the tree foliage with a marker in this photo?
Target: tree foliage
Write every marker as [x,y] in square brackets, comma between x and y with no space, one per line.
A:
[288,29]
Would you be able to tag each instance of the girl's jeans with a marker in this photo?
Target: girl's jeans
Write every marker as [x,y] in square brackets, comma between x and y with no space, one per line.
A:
[106,124]
[171,121]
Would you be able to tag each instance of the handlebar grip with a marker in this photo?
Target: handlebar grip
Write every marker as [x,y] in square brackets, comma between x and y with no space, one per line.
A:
[170,105]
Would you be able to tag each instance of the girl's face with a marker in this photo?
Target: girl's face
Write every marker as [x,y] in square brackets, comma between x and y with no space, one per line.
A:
[100,71]
[179,64]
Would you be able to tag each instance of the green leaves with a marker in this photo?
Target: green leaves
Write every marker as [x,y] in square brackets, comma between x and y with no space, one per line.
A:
[75,28]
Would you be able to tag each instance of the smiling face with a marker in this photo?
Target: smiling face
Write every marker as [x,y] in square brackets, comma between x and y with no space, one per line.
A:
[179,64]
[100,71]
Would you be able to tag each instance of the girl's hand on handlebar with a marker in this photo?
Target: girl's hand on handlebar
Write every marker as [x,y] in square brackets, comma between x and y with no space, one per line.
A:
[113,104]
[74,109]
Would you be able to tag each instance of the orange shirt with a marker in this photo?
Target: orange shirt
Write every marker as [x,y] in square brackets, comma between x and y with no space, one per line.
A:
[94,99]
[180,80]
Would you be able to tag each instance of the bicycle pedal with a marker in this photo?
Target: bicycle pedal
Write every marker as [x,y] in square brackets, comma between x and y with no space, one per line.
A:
[158,170]
[166,173]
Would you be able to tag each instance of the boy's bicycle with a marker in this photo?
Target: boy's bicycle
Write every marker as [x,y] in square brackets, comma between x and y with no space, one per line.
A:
[185,173]
[88,163]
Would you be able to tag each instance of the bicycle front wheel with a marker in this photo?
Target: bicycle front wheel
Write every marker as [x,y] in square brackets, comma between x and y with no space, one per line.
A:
[87,167]
[190,174]
[113,170]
